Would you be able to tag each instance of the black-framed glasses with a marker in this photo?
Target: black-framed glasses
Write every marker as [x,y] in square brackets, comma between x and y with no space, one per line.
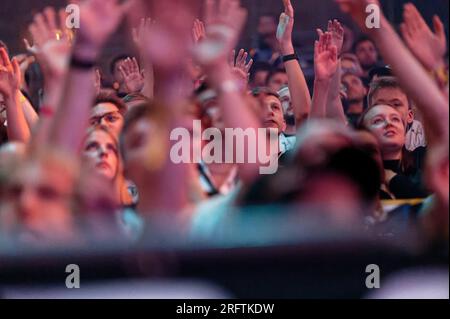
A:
[110,118]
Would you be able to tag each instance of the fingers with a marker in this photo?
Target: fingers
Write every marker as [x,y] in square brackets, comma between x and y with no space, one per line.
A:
[42,27]
[316,48]
[28,47]
[209,11]
[406,34]
[232,59]
[333,53]
[50,16]
[439,29]
[319,32]
[288,9]
[16,68]
[4,59]
[240,57]
[123,72]
[129,66]
[135,65]
[249,66]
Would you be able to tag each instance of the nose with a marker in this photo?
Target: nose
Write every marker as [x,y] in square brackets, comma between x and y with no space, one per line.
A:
[388,123]
[102,152]
[103,122]
[269,111]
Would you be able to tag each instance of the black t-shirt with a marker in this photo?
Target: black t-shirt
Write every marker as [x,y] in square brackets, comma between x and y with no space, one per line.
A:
[408,182]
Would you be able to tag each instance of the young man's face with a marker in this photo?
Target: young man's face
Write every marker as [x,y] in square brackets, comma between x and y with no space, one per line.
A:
[272,113]
[107,114]
[395,98]
[367,54]
[356,91]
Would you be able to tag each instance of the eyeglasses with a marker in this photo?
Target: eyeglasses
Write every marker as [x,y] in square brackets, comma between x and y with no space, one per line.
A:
[110,118]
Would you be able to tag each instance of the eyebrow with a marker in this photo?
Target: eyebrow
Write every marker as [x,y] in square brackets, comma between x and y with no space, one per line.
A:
[104,114]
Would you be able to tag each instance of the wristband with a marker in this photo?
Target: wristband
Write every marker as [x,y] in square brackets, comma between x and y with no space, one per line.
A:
[290,57]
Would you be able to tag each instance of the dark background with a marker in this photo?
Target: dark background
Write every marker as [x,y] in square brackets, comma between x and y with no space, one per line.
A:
[15,16]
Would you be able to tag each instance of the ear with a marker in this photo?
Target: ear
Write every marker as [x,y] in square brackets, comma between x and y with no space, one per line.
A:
[410,117]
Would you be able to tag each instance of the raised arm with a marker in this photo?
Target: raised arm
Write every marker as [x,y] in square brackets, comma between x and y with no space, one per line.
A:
[325,66]
[139,34]
[410,73]
[427,46]
[10,77]
[335,109]
[223,30]
[99,19]
[51,47]
[298,88]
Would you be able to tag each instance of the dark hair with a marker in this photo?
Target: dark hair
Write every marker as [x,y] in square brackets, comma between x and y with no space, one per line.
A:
[352,163]
[264,90]
[108,96]
[116,60]
[360,40]
[273,72]
[384,71]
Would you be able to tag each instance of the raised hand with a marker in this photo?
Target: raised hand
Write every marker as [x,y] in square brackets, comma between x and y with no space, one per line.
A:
[10,76]
[134,81]
[240,61]
[325,57]
[198,31]
[51,42]
[429,47]
[98,20]
[240,67]
[285,28]
[140,33]
[337,34]
[222,32]
[10,81]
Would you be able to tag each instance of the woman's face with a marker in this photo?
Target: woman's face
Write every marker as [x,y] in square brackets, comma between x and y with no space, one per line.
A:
[101,151]
[387,126]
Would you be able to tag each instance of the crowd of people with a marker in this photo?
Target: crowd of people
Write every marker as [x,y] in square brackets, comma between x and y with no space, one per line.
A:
[80,158]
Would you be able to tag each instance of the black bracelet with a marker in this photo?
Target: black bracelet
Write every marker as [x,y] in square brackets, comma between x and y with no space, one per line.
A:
[290,57]
[81,64]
